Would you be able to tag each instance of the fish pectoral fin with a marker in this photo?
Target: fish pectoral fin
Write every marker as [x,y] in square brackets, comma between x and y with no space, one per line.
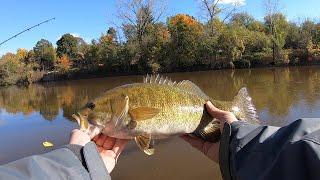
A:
[143,113]
[119,108]
[145,143]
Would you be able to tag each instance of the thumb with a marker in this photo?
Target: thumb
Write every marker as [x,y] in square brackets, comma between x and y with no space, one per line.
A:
[213,111]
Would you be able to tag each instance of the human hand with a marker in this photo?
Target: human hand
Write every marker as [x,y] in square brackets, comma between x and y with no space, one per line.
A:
[108,147]
[211,150]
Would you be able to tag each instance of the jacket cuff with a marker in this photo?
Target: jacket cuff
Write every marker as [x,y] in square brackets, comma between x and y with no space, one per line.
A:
[224,152]
[90,159]
[94,162]
[227,149]
[78,151]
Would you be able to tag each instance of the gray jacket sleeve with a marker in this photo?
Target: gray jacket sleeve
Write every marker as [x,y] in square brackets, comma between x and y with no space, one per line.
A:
[265,152]
[69,162]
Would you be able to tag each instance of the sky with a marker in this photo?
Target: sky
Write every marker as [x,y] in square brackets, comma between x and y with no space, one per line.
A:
[88,19]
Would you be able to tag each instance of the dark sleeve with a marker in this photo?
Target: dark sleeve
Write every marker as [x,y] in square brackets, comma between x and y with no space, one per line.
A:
[265,152]
[69,162]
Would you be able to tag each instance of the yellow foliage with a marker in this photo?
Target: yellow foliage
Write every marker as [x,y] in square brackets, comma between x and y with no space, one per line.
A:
[64,63]
[21,54]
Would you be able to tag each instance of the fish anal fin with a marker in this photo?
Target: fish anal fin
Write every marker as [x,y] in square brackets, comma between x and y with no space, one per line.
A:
[144,142]
[149,151]
[143,113]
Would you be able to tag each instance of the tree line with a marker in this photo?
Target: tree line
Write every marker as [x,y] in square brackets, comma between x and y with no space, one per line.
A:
[225,39]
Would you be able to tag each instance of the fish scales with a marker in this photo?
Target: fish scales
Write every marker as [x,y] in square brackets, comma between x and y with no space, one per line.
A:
[158,109]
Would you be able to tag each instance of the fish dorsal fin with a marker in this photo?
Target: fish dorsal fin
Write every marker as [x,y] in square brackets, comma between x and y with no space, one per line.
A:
[145,143]
[143,113]
[190,87]
[184,85]
[119,108]
[157,79]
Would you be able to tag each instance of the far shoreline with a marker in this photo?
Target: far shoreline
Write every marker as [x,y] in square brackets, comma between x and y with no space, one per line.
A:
[102,74]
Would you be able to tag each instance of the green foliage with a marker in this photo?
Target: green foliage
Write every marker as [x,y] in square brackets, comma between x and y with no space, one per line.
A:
[182,44]
[242,19]
[231,42]
[185,32]
[68,45]
[44,54]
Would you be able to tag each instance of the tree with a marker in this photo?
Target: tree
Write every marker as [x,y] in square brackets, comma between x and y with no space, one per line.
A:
[185,32]
[231,43]
[45,54]
[22,54]
[64,63]
[277,27]
[215,8]
[68,45]
[137,15]
[242,19]
[140,25]
[107,49]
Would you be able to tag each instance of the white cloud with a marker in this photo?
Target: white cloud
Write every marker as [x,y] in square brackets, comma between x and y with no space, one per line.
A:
[75,34]
[234,2]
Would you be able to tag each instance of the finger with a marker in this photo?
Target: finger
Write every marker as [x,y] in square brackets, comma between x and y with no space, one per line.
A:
[109,143]
[101,140]
[119,146]
[96,138]
[213,111]
[94,131]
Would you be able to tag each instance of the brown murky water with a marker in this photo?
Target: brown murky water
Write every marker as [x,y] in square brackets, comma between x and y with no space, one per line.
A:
[32,115]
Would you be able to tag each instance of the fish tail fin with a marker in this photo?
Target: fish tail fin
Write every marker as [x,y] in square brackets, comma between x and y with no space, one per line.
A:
[243,107]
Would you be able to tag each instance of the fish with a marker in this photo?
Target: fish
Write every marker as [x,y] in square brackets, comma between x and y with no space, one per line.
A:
[159,108]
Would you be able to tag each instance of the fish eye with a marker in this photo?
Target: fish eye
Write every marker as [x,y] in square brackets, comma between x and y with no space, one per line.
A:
[90,105]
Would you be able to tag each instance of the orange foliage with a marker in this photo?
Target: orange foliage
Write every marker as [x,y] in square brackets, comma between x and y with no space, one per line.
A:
[106,38]
[187,20]
[65,63]
[184,18]
[165,34]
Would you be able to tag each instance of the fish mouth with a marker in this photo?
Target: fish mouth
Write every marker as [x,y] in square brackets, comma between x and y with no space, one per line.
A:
[82,122]
[77,118]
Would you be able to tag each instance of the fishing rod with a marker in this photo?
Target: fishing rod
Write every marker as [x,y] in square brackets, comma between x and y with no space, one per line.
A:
[28,29]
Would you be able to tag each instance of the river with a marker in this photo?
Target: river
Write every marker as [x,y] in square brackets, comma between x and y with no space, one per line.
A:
[43,112]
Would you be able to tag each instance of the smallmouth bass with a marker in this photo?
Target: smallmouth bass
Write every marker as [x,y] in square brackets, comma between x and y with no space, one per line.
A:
[158,108]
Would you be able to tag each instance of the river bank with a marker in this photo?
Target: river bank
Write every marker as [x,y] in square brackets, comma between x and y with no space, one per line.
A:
[100,73]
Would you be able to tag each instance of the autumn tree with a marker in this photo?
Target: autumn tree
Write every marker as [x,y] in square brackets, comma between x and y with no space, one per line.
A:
[45,54]
[185,31]
[22,55]
[64,63]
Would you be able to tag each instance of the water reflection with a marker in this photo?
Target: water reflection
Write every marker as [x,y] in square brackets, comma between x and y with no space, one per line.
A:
[274,90]
[43,112]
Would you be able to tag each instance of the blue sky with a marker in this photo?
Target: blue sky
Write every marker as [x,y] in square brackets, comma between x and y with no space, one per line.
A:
[89,19]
